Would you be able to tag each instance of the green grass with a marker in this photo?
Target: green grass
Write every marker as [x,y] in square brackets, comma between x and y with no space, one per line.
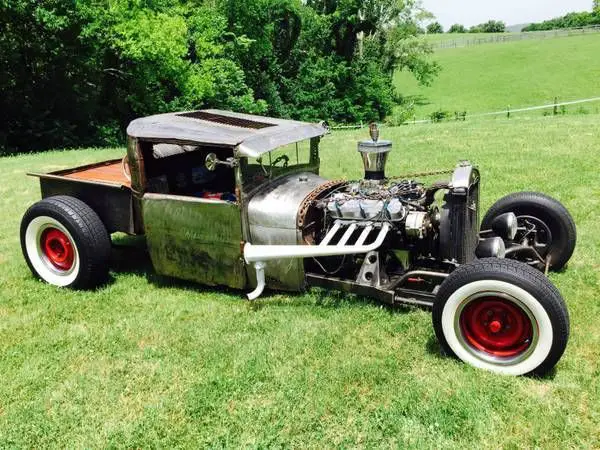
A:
[148,362]
[488,78]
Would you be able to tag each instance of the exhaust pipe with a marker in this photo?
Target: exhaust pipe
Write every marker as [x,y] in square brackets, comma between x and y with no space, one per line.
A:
[260,254]
[263,253]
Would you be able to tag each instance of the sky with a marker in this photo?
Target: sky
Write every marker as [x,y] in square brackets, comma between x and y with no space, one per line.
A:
[473,12]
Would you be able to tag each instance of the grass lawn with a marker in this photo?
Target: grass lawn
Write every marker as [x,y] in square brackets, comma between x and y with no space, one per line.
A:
[487,78]
[148,361]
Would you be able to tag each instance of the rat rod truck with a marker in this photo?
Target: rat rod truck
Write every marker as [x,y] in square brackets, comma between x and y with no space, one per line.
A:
[227,199]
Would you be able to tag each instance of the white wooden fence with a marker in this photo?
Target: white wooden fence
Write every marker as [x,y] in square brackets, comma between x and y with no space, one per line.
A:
[506,112]
[511,37]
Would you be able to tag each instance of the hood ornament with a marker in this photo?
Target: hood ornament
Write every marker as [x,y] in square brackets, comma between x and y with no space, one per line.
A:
[374,131]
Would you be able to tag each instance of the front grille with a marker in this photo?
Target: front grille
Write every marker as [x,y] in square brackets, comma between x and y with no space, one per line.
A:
[227,120]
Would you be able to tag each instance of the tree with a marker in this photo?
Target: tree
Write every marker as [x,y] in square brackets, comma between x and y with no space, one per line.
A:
[76,72]
[435,28]
[458,28]
[571,20]
[596,7]
[493,26]
[341,66]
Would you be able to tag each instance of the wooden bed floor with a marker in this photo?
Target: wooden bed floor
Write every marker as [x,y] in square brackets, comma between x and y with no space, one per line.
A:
[109,173]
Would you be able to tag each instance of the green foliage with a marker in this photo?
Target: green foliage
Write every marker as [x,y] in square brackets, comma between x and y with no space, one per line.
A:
[46,74]
[401,115]
[571,20]
[76,72]
[491,26]
[435,28]
[457,28]
[460,115]
[439,116]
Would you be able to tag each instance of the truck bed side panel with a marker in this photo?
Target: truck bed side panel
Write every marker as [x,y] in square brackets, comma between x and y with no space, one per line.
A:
[114,204]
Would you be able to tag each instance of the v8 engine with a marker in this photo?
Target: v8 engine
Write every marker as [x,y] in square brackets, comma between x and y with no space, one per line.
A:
[430,228]
[402,204]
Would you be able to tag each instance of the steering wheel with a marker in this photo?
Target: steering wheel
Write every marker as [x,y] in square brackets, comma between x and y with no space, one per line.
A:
[284,158]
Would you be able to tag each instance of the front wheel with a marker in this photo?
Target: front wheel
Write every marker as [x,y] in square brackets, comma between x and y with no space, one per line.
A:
[503,316]
[546,233]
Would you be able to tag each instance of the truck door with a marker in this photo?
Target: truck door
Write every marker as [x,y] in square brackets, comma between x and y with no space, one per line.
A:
[195,239]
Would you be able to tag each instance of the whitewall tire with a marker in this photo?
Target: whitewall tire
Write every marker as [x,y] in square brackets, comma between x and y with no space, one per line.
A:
[502,316]
[65,243]
[52,251]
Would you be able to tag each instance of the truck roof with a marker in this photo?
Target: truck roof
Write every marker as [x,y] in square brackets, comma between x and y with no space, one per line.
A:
[252,135]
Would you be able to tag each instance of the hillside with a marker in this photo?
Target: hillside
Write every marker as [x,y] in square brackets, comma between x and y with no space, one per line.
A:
[517,28]
[523,73]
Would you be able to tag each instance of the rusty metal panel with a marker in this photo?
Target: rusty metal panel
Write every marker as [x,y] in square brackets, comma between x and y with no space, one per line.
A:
[108,172]
[227,120]
[252,135]
[136,165]
[114,204]
[195,239]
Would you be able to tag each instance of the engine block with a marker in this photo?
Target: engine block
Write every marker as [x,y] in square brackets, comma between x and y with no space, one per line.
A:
[344,206]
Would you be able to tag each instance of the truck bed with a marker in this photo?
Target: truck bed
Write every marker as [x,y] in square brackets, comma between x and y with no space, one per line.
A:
[109,172]
[102,186]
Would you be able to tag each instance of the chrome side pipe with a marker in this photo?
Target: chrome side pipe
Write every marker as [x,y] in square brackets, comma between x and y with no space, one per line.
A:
[260,254]
[260,281]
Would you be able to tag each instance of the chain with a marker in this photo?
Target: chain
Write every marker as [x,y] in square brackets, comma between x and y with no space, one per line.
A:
[407,176]
[422,174]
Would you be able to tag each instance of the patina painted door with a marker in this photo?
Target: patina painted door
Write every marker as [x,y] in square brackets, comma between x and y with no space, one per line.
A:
[195,239]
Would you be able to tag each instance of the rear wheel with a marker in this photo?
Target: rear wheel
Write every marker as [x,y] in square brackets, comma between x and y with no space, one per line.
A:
[503,316]
[546,230]
[65,243]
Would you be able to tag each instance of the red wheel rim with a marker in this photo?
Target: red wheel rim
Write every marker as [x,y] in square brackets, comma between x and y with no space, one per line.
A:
[57,249]
[496,326]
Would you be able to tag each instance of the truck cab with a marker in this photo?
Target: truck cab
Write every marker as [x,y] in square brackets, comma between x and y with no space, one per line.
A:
[199,185]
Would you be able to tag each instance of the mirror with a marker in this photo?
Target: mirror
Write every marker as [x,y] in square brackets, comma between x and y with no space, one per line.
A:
[212,161]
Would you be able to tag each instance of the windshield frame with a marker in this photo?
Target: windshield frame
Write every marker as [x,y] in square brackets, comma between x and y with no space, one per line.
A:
[250,183]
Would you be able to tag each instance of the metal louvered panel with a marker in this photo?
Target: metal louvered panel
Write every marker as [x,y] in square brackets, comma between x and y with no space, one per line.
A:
[227,120]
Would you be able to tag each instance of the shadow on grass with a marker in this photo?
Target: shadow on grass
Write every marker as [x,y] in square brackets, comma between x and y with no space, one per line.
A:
[434,348]
[130,256]
[323,298]
[417,100]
